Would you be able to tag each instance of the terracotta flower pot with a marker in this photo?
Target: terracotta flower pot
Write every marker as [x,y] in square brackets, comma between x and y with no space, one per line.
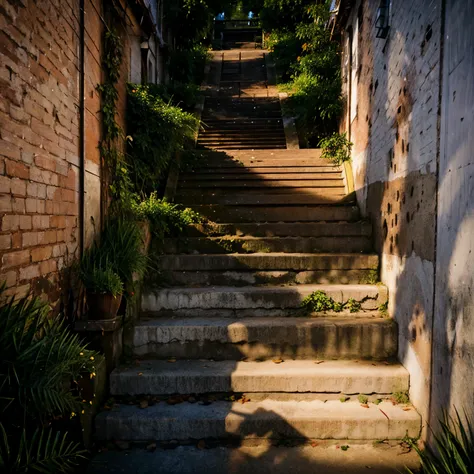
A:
[103,305]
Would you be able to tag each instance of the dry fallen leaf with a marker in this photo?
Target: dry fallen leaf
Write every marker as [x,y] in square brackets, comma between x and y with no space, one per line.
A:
[151,447]
[277,361]
[172,359]
[406,409]
[201,444]
[318,361]
[364,405]
[140,374]
[314,444]
[244,399]
[144,404]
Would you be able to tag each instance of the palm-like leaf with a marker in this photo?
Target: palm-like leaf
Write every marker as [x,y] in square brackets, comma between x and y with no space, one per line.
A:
[453,451]
[44,452]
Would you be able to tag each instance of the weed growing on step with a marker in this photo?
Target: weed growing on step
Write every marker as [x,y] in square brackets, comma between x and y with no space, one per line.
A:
[371,277]
[344,399]
[383,309]
[401,397]
[320,302]
[353,305]
[378,401]
[363,399]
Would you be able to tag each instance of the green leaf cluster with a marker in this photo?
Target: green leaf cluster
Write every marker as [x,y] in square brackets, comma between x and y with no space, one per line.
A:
[319,302]
[166,219]
[118,260]
[158,130]
[453,451]
[336,148]
[41,362]
[309,58]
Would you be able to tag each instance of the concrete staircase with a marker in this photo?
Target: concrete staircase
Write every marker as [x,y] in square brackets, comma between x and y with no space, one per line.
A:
[225,351]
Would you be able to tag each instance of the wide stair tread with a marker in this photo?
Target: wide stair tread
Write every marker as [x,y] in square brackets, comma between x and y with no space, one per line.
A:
[267,419]
[262,338]
[160,377]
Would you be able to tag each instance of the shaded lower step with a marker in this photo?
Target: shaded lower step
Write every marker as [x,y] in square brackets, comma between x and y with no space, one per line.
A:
[269,261]
[303,376]
[284,229]
[261,182]
[313,457]
[328,196]
[309,213]
[265,419]
[368,297]
[241,278]
[254,146]
[289,174]
[234,244]
[261,338]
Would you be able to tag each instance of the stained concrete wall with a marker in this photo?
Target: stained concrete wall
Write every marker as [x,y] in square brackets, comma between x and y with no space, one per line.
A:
[453,341]
[395,134]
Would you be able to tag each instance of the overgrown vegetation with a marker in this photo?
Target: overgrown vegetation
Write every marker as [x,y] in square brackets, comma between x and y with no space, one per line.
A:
[158,131]
[336,148]
[308,61]
[41,364]
[320,302]
[453,451]
[166,219]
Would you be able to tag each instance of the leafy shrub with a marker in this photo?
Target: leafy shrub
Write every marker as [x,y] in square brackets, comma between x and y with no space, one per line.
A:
[158,130]
[453,452]
[101,280]
[285,48]
[336,148]
[319,301]
[179,94]
[120,252]
[41,362]
[186,65]
[166,219]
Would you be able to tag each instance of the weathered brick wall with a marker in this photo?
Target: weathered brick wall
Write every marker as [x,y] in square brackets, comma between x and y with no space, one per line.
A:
[38,143]
[395,136]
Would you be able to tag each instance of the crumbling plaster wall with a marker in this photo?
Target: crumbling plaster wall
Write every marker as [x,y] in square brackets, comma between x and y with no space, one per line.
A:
[453,341]
[395,136]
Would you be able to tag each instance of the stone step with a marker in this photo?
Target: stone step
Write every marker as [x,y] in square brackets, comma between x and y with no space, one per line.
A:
[221,134]
[238,170]
[289,174]
[238,214]
[241,278]
[261,338]
[158,377]
[308,457]
[224,160]
[258,420]
[234,244]
[255,146]
[269,261]
[292,194]
[224,199]
[284,229]
[277,182]
[370,297]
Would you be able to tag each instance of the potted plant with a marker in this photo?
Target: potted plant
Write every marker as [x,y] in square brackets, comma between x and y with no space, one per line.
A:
[104,289]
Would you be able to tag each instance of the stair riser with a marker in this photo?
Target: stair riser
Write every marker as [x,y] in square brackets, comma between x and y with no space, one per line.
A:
[156,384]
[283,277]
[332,197]
[369,296]
[283,196]
[309,229]
[290,175]
[257,146]
[236,341]
[278,214]
[292,245]
[262,183]
[269,262]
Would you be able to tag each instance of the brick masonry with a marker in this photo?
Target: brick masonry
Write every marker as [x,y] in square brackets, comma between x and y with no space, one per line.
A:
[39,138]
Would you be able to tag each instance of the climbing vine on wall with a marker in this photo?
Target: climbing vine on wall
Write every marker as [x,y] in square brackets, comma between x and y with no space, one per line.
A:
[116,171]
